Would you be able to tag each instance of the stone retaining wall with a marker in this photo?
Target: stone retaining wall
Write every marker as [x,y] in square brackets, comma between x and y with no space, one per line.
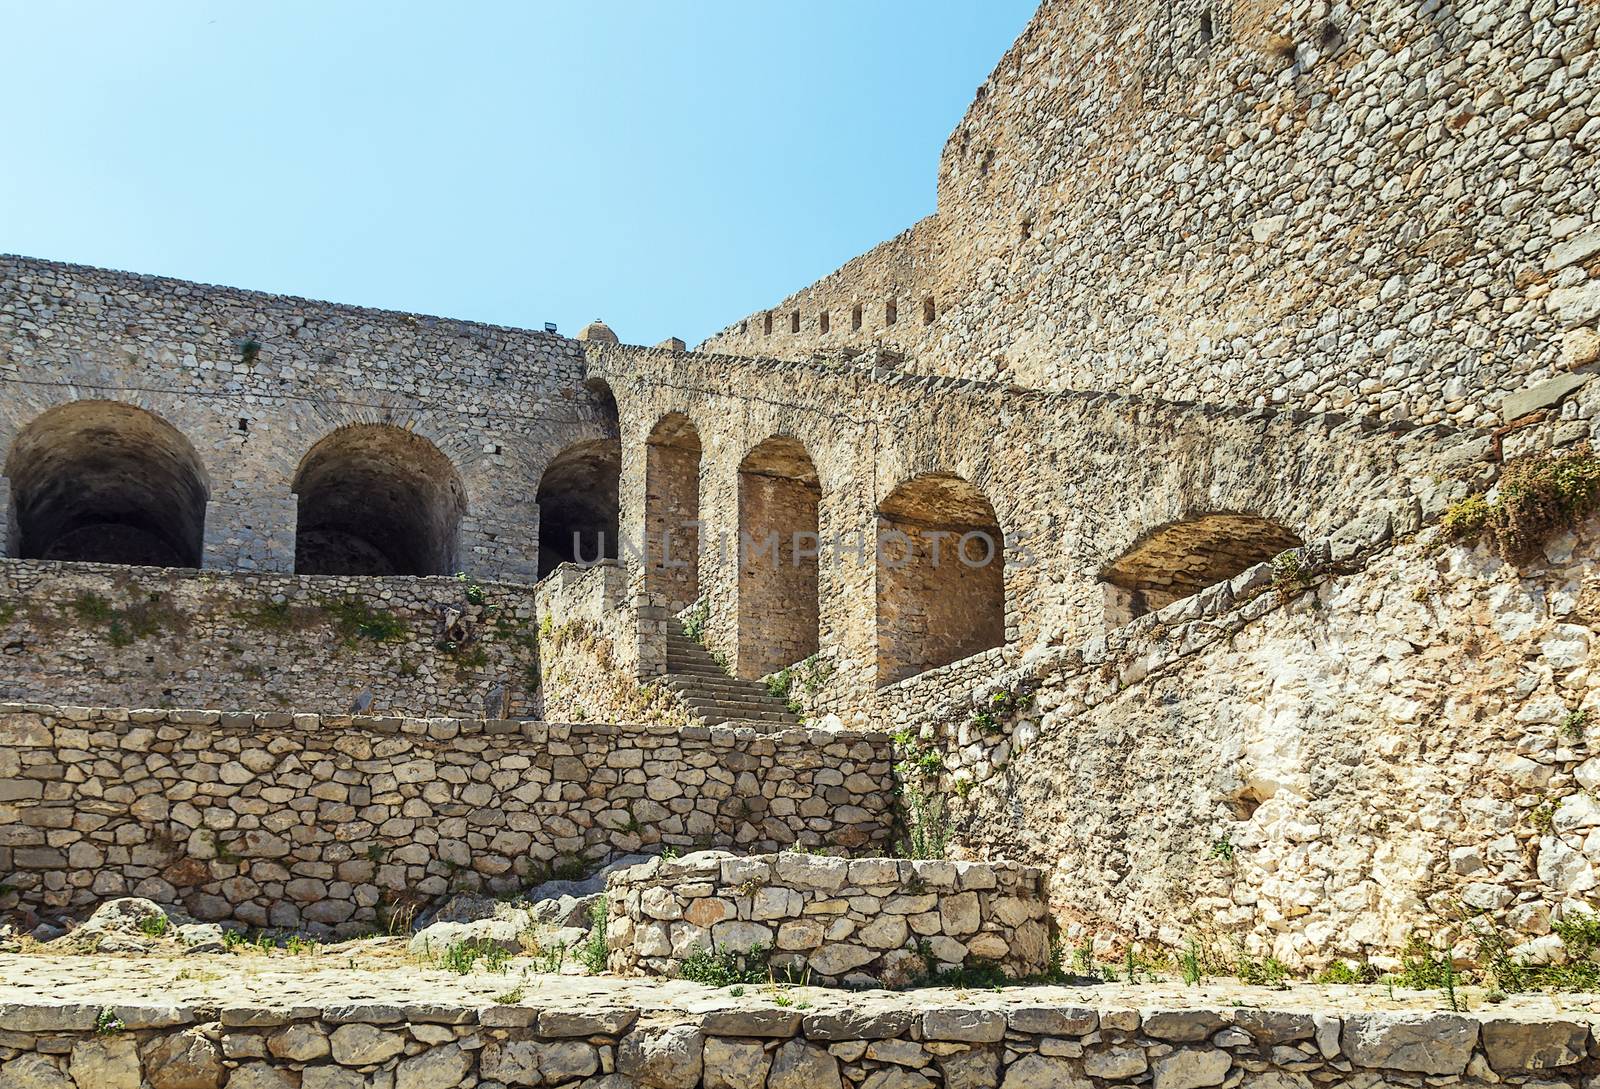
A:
[862,921]
[1318,762]
[107,635]
[913,1042]
[325,822]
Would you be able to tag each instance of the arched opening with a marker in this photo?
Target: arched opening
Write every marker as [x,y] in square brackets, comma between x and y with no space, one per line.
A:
[1184,557]
[941,576]
[105,482]
[376,499]
[672,509]
[578,504]
[778,495]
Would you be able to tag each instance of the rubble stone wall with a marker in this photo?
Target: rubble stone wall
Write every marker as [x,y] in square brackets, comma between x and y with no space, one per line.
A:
[856,922]
[1357,208]
[1316,765]
[107,635]
[909,1040]
[326,822]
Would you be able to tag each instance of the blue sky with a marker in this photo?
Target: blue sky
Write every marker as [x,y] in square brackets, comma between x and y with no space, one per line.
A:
[666,166]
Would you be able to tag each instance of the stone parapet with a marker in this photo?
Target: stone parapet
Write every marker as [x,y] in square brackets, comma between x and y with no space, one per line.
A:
[861,921]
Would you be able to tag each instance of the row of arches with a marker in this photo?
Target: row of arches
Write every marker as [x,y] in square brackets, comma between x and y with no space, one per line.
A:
[938,552]
[107,482]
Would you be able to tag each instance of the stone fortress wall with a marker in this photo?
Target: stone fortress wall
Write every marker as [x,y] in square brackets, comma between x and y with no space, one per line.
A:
[1159,355]
[1334,207]
[109,635]
[246,388]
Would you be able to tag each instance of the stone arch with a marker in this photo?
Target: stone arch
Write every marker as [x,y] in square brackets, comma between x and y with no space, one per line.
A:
[1186,556]
[106,482]
[779,492]
[578,504]
[672,509]
[940,576]
[376,499]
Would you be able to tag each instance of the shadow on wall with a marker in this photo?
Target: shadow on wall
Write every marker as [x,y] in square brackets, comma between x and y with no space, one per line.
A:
[377,500]
[1184,557]
[105,482]
[578,504]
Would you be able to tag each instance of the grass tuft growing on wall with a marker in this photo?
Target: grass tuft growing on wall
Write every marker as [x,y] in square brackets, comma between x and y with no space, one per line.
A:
[1540,494]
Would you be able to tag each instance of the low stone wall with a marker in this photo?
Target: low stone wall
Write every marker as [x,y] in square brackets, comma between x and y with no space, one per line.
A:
[106,635]
[908,1042]
[325,822]
[859,921]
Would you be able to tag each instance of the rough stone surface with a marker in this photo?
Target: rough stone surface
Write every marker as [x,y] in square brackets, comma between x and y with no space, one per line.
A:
[800,898]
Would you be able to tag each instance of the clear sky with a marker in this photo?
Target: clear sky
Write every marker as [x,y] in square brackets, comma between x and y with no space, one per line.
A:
[666,166]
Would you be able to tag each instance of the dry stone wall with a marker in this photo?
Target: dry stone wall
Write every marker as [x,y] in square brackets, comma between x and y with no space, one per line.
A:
[328,823]
[1315,765]
[1354,208]
[96,634]
[856,922]
[899,1042]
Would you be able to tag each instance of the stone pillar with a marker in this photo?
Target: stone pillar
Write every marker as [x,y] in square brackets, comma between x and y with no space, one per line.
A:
[9,545]
[500,546]
[251,535]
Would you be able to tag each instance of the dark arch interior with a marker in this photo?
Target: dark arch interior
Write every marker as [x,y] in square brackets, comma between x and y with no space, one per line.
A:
[104,482]
[941,576]
[1186,556]
[377,500]
[578,504]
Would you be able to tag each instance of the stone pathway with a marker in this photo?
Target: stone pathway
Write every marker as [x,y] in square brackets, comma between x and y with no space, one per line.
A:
[338,978]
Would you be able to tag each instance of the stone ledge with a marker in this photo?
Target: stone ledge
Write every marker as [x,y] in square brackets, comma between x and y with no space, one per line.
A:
[122,719]
[425,1028]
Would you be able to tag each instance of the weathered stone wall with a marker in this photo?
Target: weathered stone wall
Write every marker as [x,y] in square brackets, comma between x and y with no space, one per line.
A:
[444,1040]
[117,636]
[1075,481]
[326,822]
[1310,761]
[599,650]
[1376,208]
[857,922]
[254,381]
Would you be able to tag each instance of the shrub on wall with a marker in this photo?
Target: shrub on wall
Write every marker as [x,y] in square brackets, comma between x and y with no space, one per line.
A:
[1539,494]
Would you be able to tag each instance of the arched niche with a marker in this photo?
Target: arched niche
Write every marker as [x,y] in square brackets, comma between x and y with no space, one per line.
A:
[1184,557]
[940,576]
[106,482]
[375,499]
[672,509]
[779,492]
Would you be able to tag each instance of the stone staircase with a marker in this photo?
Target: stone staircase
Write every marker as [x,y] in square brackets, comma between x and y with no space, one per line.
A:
[712,695]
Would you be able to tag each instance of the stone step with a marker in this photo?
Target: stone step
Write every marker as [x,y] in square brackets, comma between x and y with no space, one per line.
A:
[749,699]
[710,693]
[735,710]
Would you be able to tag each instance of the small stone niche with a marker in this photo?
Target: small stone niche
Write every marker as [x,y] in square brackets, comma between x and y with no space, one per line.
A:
[829,921]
